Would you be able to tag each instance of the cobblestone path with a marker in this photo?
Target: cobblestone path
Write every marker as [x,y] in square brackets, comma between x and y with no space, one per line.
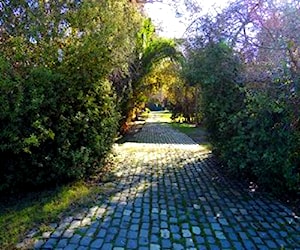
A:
[169,195]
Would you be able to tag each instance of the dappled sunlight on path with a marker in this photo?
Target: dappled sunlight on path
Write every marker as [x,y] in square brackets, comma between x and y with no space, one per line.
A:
[167,193]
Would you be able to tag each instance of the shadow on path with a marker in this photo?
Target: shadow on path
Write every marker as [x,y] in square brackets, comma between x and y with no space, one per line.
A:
[169,194]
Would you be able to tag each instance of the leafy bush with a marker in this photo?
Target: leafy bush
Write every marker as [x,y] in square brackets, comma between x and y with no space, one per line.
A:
[58,115]
[253,132]
[51,132]
[217,73]
[263,143]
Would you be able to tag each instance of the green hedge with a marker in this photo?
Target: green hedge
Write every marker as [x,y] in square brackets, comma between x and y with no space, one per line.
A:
[58,115]
[52,131]
[254,131]
[264,144]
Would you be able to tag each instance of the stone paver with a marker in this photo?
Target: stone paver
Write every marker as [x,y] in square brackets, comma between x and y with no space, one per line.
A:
[170,195]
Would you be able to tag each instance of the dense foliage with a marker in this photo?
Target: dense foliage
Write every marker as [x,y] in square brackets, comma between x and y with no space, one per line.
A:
[133,89]
[58,115]
[71,73]
[249,90]
[263,142]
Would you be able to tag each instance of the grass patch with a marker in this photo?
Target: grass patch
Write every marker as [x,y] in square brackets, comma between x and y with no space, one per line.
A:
[198,134]
[36,210]
[185,128]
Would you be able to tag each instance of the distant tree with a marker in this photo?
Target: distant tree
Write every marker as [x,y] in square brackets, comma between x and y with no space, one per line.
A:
[150,50]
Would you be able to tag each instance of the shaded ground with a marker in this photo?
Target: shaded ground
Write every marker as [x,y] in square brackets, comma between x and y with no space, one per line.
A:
[168,194]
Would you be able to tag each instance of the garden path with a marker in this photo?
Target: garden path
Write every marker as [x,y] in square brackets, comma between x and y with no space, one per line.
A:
[169,194]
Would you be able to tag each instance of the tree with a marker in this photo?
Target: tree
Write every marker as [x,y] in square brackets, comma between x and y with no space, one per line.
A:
[149,52]
[59,115]
[245,60]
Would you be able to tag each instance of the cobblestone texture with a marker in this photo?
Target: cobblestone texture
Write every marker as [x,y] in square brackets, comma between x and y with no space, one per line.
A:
[170,195]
